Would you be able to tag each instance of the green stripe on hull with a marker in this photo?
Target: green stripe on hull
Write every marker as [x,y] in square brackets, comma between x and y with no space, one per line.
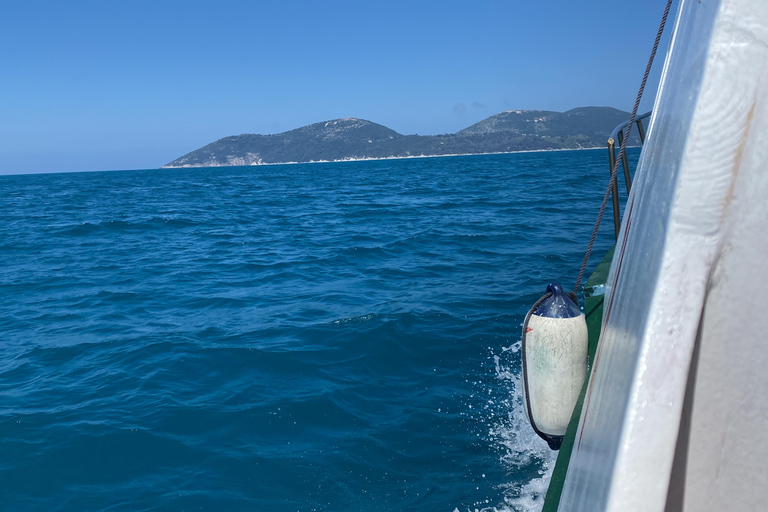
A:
[594,293]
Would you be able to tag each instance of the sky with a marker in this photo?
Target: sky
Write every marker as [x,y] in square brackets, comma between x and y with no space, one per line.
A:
[133,85]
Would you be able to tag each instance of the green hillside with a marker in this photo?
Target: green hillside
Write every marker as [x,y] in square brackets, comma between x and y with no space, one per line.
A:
[351,138]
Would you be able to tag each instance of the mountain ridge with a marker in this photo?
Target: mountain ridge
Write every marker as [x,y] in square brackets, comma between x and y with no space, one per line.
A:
[359,139]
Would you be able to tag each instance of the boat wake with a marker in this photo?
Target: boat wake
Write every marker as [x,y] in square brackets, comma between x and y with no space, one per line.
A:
[522,452]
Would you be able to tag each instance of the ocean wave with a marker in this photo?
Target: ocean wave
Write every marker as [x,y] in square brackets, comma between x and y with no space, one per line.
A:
[107,226]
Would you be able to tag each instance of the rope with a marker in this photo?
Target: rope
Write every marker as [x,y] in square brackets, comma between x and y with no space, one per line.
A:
[622,151]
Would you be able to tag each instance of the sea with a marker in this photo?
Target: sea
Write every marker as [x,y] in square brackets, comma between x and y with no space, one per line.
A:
[299,338]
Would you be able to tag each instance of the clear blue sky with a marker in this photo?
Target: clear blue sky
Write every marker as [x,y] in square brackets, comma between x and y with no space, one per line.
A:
[129,85]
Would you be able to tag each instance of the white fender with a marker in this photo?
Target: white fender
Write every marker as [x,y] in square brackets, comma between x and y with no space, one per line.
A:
[556,366]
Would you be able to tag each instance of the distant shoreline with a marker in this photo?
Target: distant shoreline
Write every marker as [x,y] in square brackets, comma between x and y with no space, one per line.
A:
[366,159]
[164,167]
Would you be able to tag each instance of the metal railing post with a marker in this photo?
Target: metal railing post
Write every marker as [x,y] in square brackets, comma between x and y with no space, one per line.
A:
[641,131]
[625,163]
[614,189]
[618,134]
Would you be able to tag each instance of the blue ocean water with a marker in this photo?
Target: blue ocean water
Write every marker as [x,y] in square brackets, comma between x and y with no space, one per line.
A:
[319,337]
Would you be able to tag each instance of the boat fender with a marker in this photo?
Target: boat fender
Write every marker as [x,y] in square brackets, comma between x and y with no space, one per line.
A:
[554,353]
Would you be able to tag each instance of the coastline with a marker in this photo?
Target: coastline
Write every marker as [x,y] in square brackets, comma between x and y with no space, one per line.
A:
[165,167]
[365,159]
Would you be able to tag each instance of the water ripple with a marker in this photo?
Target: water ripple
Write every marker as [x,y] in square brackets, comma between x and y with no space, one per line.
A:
[328,337]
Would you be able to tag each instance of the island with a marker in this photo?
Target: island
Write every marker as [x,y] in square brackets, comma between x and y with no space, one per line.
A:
[358,139]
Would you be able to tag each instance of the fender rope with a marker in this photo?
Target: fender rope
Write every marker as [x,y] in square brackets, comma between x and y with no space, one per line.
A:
[622,151]
[554,442]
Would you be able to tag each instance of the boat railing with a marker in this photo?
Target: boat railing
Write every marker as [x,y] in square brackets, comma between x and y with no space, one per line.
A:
[614,142]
